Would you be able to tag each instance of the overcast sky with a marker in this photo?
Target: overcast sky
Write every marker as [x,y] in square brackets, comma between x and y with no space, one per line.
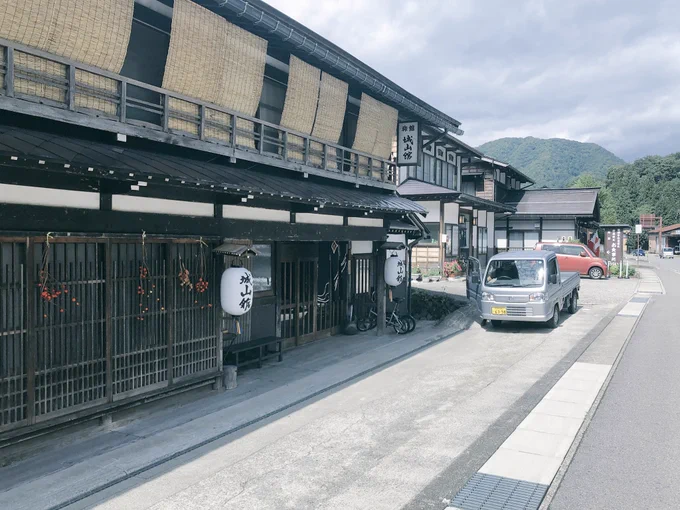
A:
[603,71]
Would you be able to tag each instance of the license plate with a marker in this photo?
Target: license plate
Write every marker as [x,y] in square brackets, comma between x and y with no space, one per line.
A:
[499,311]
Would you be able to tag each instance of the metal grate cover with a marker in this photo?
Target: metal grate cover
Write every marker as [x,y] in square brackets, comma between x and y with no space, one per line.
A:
[490,492]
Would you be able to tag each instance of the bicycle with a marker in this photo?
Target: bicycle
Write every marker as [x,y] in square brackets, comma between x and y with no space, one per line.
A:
[402,324]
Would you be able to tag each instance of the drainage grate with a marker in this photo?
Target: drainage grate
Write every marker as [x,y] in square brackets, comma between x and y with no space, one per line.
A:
[490,492]
[639,300]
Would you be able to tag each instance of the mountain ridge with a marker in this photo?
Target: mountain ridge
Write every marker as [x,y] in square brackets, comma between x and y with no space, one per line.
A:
[553,162]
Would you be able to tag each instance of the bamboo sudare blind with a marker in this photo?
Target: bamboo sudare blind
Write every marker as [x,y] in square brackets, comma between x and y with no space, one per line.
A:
[376,126]
[215,61]
[299,109]
[88,31]
[330,113]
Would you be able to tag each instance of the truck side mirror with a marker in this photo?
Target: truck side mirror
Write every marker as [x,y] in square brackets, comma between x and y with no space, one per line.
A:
[474,277]
[583,254]
[553,278]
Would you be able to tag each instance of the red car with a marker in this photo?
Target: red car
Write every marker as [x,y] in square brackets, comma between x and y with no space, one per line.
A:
[578,258]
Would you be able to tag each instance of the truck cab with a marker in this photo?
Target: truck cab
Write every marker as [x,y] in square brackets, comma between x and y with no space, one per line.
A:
[525,286]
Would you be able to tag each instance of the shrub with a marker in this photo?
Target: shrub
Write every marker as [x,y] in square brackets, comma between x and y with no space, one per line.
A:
[452,268]
[430,306]
[615,268]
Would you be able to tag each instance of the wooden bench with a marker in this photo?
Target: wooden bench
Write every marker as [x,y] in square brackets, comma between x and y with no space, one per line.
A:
[261,344]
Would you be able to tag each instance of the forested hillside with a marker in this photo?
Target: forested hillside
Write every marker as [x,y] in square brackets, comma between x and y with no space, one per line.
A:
[555,162]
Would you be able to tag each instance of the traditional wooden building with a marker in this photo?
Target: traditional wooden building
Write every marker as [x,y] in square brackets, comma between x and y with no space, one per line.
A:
[147,145]
[462,210]
[547,215]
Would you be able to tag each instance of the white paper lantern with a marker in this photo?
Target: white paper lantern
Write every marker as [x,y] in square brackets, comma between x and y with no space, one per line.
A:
[394,271]
[236,291]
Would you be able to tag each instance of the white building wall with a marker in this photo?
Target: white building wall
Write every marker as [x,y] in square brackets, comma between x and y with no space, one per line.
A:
[501,239]
[481,219]
[237,212]
[320,219]
[451,211]
[28,195]
[432,212]
[362,247]
[161,206]
[491,228]
[364,222]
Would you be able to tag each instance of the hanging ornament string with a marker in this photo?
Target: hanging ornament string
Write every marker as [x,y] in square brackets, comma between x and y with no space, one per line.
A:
[202,284]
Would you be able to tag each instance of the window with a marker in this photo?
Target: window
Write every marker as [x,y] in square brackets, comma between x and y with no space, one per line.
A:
[515,273]
[434,232]
[574,251]
[463,233]
[428,167]
[482,241]
[452,175]
[452,246]
[551,247]
[469,188]
[552,267]
[479,185]
[262,268]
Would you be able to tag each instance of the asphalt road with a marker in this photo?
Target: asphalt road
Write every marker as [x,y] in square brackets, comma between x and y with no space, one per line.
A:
[630,454]
[409,435]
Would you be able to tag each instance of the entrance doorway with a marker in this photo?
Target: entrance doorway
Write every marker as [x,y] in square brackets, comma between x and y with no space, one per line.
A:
[311,289]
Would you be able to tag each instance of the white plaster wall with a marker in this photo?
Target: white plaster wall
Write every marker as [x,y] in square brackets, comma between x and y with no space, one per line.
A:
[362,247]
[451,211]
[491,227]
[28,195]
[237,212]
[481,219]
[364,222]
[432,211]
[160,206]
[501,239]
[321,219]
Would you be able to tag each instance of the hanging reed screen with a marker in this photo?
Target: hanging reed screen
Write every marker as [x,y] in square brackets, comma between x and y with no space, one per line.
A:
[376,129]
[218,62]
[88,31]
[330,115]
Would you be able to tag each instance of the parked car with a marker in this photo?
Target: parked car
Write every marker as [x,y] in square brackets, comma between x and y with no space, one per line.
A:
[667,253]
[638,253]
[525,286]
[575,257]
[676,250]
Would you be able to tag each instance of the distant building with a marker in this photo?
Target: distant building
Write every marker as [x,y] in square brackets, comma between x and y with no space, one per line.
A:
[547,215]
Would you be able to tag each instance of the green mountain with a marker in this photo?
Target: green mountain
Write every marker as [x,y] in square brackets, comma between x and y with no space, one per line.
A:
[555,162]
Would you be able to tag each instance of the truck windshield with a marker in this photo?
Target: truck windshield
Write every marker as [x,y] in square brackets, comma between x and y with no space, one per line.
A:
[515,273]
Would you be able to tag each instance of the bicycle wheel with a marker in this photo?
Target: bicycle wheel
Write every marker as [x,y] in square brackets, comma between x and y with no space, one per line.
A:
[400,325]
[410,321]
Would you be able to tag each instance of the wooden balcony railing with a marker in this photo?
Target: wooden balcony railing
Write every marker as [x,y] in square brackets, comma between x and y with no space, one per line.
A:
[41,84]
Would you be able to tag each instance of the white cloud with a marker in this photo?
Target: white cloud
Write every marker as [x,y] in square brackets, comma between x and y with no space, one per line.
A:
[605,71]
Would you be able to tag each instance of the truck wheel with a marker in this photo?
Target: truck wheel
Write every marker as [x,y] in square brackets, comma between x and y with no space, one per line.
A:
[595,273]
[555,321]
[496,323]
[573,302]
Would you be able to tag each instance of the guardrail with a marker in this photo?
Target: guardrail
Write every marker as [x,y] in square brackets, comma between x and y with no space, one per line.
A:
[62,89]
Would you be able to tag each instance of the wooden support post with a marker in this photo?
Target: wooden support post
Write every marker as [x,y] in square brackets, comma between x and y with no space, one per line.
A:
[170,270]
[9,72]
[105,202]
[31,345]
[218,211]
[201,126]
[122,114]
[109,320]
[442,230]
[380,291]
[71,88]
[540,230]
[166,112]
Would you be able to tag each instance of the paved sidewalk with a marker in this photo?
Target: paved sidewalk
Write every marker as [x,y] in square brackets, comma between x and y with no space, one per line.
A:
[62,474]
